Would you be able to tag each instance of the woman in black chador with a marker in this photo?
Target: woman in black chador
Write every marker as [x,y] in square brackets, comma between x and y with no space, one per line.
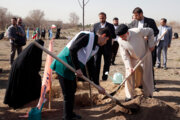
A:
[24,80]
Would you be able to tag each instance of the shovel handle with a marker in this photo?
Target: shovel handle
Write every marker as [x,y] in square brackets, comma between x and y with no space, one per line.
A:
[137,65]
[69,67]
[140,61]
[83,77]
[161,37]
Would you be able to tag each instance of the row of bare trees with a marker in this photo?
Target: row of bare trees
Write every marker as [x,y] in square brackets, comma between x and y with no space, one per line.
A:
[4,17]
[35,18]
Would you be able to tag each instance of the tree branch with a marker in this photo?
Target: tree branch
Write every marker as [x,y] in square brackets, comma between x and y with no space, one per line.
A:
[80,4]
[86,3]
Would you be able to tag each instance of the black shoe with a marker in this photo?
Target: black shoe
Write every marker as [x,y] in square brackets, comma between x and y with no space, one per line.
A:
[113,63]
[165,68]
[155,89]
[158,66]
[150,96]
[104,78]
[68,118]
[76,116]
[141,87]
[127,99]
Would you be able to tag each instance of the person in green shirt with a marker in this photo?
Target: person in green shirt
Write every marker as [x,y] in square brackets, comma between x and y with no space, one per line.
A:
[77,53]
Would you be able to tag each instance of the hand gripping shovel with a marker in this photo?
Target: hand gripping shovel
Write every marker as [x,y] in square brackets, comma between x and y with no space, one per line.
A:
[126,110]
[140,62]
[137,65]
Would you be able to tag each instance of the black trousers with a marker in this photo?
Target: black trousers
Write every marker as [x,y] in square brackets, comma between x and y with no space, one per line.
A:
[115,47]
[106,52]
[68,90]
[153,53]
[154,56]
[14,48]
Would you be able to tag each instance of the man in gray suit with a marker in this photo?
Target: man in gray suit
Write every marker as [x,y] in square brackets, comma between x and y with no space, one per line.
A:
[164,43]
[15,33]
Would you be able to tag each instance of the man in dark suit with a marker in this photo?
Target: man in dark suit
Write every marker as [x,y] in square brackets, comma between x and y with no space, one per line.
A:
[115,44]
[141,22]
[106,49]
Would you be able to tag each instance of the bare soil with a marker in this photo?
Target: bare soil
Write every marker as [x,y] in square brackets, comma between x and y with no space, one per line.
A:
[165,104]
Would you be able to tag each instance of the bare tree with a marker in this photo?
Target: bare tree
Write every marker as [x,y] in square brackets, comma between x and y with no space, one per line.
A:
[3,17]
[82,6]
[74,18]
[9,16]
[35,18]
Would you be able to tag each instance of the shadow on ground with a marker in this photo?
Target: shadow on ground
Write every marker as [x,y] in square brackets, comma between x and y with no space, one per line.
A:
[168,82]
[54,114]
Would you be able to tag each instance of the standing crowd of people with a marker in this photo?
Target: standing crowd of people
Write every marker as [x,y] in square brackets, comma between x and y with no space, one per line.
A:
[40,33]
[17,35]
[134,41]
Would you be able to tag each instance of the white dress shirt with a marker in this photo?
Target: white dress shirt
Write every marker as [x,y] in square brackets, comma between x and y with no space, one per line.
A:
[163,31]
[115,27]
[141,23]
[103,25]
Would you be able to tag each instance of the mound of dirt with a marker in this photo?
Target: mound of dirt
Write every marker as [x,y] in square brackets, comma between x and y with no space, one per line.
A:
[148,109]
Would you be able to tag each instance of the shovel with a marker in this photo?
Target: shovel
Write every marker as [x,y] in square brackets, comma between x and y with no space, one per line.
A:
[34,113]
[126,110]
[137,65]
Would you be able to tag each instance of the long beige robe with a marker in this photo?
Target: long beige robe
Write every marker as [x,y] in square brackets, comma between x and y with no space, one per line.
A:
[131,51]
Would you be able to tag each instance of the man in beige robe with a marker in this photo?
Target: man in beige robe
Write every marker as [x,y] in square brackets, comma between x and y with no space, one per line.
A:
[134,44]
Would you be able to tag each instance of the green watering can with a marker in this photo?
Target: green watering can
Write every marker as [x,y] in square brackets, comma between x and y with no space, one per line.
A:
[117,78]
[35,113]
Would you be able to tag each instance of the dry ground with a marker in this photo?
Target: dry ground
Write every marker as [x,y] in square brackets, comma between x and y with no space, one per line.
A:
[165,105]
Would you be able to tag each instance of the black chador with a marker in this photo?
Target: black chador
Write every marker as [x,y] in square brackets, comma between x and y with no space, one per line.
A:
[24,80]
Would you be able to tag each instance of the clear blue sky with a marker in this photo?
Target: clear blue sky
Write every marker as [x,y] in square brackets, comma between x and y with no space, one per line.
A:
[60,9]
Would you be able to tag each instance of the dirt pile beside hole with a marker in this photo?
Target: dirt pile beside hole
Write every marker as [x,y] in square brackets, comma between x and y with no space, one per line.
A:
[149,109]
[84,100]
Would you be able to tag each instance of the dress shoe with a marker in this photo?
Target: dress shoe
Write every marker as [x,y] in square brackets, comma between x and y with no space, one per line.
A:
[158,66]
[73,117]
[150,96]
[165,68]
[76,116]
[155,89]
[113,63]
[127,99]
[104,78]
[140,87]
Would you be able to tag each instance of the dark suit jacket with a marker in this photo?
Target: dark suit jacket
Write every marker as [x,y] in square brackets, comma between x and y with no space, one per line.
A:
[148,22]
[110,26]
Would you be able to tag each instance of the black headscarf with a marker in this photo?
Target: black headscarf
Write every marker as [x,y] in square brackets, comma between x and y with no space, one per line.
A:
[24,80]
